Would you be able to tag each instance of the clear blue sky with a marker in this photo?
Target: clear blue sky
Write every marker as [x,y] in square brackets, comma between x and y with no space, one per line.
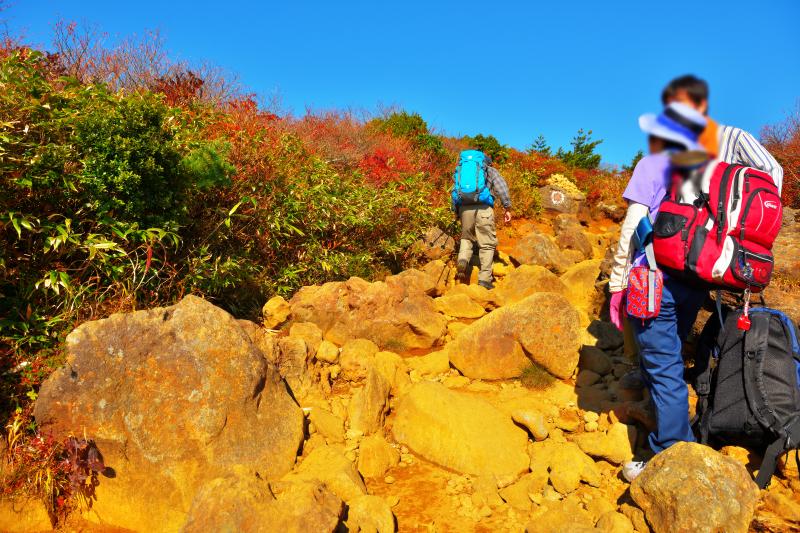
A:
[512,69]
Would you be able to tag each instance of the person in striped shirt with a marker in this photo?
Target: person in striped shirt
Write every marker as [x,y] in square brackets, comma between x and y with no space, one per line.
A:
[727,143]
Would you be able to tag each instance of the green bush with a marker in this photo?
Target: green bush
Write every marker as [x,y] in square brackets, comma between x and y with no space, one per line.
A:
[413,127]
[489,144]
[95,188]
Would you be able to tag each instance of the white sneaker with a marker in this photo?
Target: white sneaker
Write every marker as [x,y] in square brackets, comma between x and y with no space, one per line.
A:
[631,471]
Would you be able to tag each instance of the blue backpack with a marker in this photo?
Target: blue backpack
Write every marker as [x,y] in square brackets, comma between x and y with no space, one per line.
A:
[470,186]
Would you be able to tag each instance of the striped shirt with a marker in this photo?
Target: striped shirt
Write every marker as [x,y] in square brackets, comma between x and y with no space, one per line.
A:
[739,147]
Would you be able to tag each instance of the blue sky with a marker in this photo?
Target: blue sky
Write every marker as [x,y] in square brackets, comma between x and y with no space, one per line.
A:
[512,69]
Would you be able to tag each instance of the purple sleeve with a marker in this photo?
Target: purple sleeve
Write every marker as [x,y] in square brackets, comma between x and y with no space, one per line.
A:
[640,188]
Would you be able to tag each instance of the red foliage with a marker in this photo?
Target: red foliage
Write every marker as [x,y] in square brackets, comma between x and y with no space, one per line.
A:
[180,88]
[385,164]
[783,142]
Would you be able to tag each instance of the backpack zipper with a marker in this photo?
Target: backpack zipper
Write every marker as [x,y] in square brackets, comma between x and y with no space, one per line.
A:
[723,193]
[736,195]
[685,231]
[770,181]
[746,209]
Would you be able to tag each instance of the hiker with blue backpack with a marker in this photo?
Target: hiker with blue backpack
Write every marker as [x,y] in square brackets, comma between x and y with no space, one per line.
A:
[476,184]
[695,223]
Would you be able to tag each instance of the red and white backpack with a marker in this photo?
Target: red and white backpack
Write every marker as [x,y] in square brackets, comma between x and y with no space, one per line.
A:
[717,226]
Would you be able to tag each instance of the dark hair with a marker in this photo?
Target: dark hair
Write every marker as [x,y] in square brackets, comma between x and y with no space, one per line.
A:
[696,88]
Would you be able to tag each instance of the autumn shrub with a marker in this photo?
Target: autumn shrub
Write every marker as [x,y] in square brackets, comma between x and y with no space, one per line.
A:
[524,181]
[783,142]
[95,187]
[413,127]
[62,474]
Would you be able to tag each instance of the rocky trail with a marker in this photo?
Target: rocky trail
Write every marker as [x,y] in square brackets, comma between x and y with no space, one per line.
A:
[416,404]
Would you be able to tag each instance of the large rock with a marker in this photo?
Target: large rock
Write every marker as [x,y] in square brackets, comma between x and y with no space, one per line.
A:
[357,356]
[376,456]
[275,312]
[690,487]
[330,426]
[614,522]
[248,504]
[595,360]
[310,334]
[292,363]
[518,494]
[435,244]
[616,446]
[459,305]
[368,406]
[533,420]
[440,272]
[431,364]
[23,516]
[413,281]
[395,316]
[488,299]
[566,516]
[461,432]
[568,465]
[607,335]
[570,236]
[370,514]
[543,328]
[580,280]
[527,280]
[538,249]
[262,338]
[328,464]
[393,368]
[173,397]
[555,198]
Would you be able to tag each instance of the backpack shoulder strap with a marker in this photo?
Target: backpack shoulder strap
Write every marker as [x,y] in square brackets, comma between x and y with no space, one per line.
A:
[755,348]
[789,441]
[709,348]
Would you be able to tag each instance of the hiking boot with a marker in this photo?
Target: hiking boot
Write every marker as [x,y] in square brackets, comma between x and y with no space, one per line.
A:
[461,269]
[486,284]
[631,470]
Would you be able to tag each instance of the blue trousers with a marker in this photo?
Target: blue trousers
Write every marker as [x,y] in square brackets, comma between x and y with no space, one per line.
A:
[660,340]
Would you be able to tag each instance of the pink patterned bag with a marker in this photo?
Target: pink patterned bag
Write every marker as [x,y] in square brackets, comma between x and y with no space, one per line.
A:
[642,302]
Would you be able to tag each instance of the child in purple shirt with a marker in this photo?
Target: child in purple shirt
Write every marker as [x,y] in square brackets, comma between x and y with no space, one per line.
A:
[659,339]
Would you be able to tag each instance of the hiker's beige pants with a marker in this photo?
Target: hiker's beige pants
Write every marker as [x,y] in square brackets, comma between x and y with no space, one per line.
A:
[477,227]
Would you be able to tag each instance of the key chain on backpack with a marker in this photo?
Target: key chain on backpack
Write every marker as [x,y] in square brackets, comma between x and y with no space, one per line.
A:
[743,322]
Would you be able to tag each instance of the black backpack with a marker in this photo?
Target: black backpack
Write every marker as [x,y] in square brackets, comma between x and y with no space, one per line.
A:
[748,385]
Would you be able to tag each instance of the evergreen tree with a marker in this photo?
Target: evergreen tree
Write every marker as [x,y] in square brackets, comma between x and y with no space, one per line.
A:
[488,144]
[636,158]
[582,154]
[541,147]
